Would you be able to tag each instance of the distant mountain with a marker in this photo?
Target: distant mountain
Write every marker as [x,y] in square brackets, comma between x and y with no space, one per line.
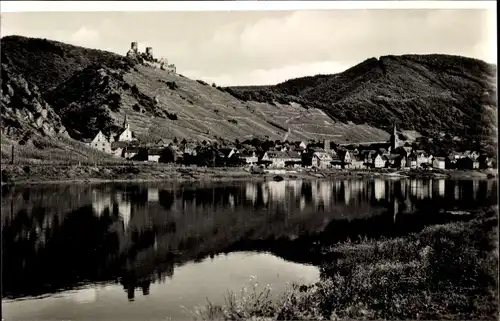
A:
[91,90]
[432,94]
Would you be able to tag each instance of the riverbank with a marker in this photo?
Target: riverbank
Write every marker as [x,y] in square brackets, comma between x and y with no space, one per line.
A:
[443,272]
[153,172]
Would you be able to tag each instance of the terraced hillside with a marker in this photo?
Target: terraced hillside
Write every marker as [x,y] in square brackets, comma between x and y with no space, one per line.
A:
[432,94]
[90,93]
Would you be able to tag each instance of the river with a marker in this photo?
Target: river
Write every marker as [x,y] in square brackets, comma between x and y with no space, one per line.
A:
[155,251]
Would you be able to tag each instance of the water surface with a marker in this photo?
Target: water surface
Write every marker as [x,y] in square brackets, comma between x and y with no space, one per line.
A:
[152,251]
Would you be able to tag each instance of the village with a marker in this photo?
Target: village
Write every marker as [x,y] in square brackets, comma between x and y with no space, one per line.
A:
[262,155]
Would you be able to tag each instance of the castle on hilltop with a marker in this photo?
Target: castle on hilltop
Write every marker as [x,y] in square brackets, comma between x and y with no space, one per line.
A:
[148,59]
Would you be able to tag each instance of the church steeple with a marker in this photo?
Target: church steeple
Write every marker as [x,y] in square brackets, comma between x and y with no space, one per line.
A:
[394,137]
[125,123]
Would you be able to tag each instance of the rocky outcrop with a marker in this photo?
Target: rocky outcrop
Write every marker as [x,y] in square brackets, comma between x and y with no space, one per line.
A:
[24,110]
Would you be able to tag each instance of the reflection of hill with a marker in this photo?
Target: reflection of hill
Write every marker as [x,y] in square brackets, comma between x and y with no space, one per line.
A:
[138,233]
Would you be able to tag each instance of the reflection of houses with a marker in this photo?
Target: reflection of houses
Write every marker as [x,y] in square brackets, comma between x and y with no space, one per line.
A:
[153,195]
[441,187]
[124,210]
[379,189]
[251,192]
[347,192]
[322,190]
[277,190]
[101,202]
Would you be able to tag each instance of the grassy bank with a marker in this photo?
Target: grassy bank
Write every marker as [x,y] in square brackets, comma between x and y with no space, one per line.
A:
[443,272]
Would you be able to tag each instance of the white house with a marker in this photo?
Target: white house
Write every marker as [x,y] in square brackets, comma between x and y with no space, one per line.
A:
[280,159]
[126,135]
[154,154]
[250,157]
[322,160]
[439,162]
[101,143]
[378,161]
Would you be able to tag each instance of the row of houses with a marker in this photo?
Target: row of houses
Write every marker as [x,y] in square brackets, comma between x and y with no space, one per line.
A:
[286,154]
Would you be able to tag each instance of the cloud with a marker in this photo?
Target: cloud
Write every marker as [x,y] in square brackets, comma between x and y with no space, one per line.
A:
[269,76]
[84,36]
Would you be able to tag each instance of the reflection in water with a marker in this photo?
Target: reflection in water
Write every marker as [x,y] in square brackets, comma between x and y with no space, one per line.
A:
[56,237]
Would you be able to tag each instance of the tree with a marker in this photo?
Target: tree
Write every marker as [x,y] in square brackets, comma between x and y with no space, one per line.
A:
[167,155]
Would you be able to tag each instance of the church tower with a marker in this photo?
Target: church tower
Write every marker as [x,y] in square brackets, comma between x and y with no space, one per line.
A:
[394,138]
[126,125]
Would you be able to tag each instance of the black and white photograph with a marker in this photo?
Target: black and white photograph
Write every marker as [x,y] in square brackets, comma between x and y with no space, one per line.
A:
[249,160]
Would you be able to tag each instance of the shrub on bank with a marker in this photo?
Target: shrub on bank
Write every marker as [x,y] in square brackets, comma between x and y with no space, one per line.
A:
[445,271]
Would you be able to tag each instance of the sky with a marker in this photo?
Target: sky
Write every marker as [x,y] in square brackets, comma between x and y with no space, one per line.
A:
[267,47]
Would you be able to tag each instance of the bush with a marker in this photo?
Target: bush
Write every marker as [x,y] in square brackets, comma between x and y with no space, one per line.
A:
[171,116]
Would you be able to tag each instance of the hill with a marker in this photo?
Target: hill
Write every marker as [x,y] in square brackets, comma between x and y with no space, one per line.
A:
[433,94]
[91,90]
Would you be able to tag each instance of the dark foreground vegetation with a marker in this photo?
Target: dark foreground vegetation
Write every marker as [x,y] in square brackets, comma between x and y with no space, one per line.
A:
[445,271]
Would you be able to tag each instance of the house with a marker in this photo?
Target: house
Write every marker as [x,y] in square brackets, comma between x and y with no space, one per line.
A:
[392,160]
[281,159]
[412,161]
[401,161]
[336,162]
[345,157]
[190,149]
[450,162]
[163,142]
[154,154]
[472,154]
[117,148]
[422,158]
[357,161]
[131,151]
[101,143]
[250,157]
[126,134]
[229,152]
[368,156]
[321,160]
[379,161]
[467,163]
[484,161]
[439,162]
[303,145]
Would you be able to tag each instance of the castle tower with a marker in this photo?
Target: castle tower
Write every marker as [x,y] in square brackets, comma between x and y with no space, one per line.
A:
[149,51]
[133,46]
[394,138]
